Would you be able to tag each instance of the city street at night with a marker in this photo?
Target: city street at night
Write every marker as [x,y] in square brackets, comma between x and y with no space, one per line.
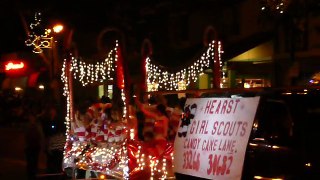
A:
[170,90]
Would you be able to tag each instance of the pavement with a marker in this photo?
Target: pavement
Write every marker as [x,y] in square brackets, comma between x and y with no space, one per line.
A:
[12,158]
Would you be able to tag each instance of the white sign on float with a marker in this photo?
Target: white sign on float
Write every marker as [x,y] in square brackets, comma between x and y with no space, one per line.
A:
[213,136]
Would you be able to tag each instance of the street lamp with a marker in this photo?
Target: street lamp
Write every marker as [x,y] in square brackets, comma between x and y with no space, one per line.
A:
[57,28]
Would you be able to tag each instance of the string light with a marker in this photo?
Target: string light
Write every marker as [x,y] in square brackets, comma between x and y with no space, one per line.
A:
[38,41]
[66,93]
[276,6]
[109,158]
[91,73]
[159,78]
[157,165]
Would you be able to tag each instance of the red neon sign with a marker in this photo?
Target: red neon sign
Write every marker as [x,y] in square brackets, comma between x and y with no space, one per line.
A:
[14,66]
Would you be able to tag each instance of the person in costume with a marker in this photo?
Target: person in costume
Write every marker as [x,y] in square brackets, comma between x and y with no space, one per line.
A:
[161,124]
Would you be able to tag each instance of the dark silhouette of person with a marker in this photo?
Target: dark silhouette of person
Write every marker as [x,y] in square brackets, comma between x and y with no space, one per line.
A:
[33,145]
[55,150]
[141,118]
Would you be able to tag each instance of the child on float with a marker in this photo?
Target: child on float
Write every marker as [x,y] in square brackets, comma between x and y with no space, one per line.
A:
[175,117]
[104,119]
[88,119]
[149,103]
[161,123]
[81,121]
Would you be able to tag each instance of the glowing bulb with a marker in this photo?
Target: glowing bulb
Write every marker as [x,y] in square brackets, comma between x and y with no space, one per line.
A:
[41,86]
[57,28]
[18,89]
[102,176]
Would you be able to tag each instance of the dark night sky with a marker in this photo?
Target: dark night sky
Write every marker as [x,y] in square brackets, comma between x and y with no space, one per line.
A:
[12,33]
[83,16]
[137,19]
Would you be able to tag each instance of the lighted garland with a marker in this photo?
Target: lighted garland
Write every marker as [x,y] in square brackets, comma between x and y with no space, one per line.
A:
[99,72]
[160,78]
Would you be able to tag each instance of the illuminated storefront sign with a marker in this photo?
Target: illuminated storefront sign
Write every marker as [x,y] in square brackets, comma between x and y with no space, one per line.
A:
[14,66]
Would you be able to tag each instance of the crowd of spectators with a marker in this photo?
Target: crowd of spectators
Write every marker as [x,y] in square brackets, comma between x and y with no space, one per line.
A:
[41,118]
[15,105]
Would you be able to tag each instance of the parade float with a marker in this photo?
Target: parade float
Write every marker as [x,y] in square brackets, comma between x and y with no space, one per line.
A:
[211,137]
[93,142]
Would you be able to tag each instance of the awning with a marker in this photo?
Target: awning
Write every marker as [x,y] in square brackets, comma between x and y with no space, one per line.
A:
[261,53]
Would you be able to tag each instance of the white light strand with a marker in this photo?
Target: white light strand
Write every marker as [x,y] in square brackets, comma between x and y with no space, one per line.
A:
[111,159]
[275,6]
[66,92]
[99,72]
[158,165]
[100,158]
[159,78]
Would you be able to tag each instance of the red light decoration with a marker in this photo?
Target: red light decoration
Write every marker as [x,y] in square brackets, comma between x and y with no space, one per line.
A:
[14,66]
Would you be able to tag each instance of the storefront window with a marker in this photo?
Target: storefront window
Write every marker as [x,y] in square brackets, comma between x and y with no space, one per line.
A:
[252,83]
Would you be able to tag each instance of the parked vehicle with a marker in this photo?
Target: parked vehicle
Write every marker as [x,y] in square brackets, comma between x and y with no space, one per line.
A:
[283,142]
[284,139]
